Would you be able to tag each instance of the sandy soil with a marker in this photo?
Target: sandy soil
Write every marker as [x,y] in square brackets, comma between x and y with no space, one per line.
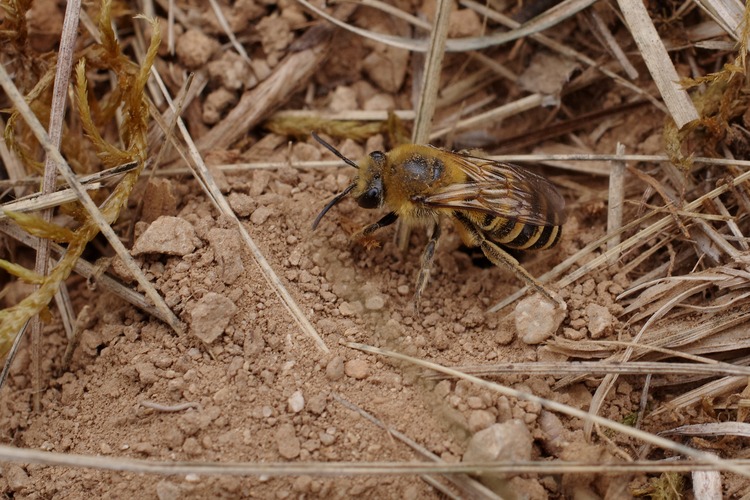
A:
[247,385]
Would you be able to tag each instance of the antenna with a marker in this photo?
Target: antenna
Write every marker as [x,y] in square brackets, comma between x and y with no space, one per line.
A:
[334,151]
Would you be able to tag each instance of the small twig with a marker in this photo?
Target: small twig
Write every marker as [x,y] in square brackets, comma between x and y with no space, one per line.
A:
[615,205]
[655,55]
[170,409]
[609,40]
[57,115]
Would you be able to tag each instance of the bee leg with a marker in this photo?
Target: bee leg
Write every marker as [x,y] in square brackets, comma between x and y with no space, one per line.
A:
[364,235]
[500,257]
[427,257]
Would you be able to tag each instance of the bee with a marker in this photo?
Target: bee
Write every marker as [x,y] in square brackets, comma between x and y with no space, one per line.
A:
[491,204]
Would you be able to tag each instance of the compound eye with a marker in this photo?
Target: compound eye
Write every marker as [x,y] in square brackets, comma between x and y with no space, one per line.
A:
[370,199]
[373,197]
[378,157]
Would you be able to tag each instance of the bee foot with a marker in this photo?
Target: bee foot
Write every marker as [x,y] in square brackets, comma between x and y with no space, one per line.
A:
[366,241]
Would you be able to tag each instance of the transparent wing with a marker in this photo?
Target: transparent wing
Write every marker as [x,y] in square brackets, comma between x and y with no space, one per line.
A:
[503,190]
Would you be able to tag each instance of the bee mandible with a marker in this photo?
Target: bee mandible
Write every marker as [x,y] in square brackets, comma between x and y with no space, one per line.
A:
[492,204]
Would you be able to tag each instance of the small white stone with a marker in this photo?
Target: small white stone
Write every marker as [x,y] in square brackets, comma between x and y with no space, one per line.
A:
[537,319]
[375,302]
[296,402]
[601,320]
[507,442]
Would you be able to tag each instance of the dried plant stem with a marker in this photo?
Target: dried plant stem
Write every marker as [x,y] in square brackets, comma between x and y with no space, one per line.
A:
[616,200]
[431,75]
[228,31]
[659,64]
[601,27]
[510,109]
[603,368]
[331,469]
[57,114]
[351,115]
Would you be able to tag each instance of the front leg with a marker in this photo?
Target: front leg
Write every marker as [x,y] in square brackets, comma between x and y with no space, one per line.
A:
[428,256]
[364,235]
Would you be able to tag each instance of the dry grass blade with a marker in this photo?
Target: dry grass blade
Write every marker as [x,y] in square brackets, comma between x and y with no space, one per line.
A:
[39,201]
[610,41]
[616,201]
[727,13]
[564,409]
[657,59]
[281,469]
[599,368]
[707,391]
[559,13]
[431,75]
[228,31]
[710,429]
[57,114]
[497,114]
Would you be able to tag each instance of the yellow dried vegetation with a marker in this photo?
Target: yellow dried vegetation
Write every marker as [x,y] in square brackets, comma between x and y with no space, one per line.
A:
[34,75]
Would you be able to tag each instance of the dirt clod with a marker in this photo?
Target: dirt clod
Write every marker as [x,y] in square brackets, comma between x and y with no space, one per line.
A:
[357,369]
[167,235]
[194,48]
[335,368]
[210,316]
[507,442]
[296,402]
[600,321]
[287,441]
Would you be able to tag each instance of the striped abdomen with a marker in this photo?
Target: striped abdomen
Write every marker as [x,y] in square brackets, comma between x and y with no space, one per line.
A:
[520,235]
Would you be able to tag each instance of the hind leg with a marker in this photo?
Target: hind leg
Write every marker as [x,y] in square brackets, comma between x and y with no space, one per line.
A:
[500,257]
